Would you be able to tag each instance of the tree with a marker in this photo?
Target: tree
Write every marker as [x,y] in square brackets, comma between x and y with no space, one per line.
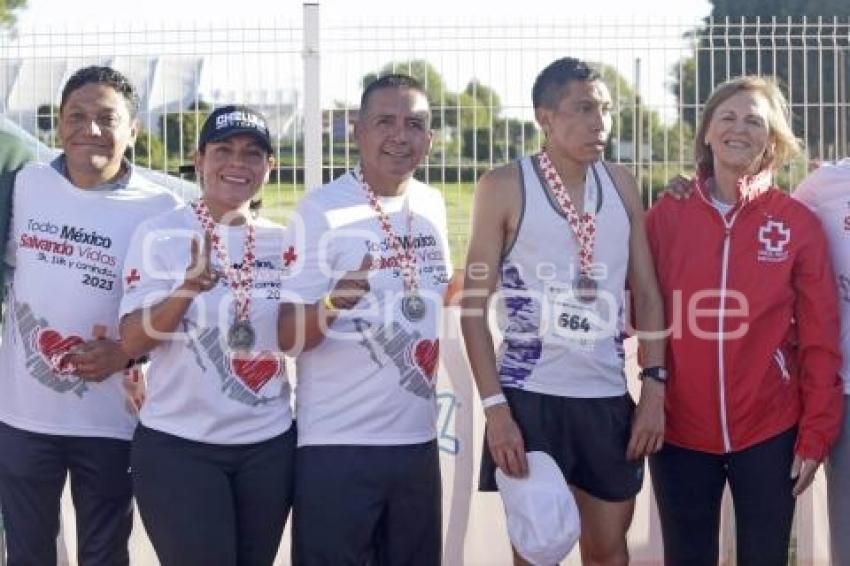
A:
[783,8]
[508,139]
[431,81]
[635,126]
[8,17]
[479,110]
[477,107]
[419,69]
[811,61]
[148,151]
[481,104]
[470,128]
[180,129]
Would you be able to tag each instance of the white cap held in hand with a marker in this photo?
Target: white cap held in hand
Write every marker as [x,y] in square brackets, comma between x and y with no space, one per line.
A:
[542,516]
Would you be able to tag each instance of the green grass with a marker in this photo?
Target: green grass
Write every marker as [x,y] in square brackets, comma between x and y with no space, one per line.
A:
[279,198]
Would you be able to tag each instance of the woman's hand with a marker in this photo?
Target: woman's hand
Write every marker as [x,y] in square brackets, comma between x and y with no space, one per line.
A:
[200,276]
[803,470]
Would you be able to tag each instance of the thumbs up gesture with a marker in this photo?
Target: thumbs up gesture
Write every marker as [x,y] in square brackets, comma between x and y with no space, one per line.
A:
[353,286]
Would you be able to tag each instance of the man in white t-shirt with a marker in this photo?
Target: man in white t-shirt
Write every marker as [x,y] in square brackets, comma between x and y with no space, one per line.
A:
[827,192]
[362,312]
[62,402]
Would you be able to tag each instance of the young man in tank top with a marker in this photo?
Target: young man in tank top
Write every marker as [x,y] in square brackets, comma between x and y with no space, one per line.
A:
[556,237]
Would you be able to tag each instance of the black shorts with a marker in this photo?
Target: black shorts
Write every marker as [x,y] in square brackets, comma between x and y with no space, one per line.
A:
[378,505]
[587,438]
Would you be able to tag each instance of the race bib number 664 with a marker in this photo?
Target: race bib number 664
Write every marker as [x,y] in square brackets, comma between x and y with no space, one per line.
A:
[573,322]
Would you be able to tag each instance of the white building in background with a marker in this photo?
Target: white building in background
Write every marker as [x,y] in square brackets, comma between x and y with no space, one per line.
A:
[165,85]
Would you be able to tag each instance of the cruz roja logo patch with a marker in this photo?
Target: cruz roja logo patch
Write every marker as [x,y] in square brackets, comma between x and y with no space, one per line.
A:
[774,237]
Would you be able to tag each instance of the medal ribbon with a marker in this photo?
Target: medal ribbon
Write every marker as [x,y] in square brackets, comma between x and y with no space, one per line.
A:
[239,281]
[584,226]
[405,256]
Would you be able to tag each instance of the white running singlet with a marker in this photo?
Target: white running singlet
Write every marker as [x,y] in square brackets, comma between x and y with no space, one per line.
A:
[555,343]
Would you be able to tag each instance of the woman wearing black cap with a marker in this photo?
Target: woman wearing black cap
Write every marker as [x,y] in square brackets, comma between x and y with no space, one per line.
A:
[212,457]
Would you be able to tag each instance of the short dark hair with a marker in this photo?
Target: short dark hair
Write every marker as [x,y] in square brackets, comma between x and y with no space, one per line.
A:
[393,80]
[551,84]
[108,76]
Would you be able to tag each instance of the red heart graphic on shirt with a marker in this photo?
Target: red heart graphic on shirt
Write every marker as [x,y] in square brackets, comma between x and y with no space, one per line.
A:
[55,348]
[426,354]
[255,369]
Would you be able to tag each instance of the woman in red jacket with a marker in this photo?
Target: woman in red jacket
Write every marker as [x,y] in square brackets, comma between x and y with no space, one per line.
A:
[754,396]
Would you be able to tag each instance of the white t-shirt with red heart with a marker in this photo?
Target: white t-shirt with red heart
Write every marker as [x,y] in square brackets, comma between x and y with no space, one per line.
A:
[197,388]
[371,380]
[67,246]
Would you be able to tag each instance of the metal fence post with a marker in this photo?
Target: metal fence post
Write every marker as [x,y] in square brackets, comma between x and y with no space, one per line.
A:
[312,100]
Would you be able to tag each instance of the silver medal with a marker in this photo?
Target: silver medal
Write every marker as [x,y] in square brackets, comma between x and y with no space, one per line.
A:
[585,289]
[241,336]
[413,307]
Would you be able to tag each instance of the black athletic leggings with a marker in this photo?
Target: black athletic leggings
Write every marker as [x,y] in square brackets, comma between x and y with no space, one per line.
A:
[688,488]
[205,504]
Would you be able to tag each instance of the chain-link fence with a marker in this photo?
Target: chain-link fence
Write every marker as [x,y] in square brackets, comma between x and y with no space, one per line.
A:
[306,76]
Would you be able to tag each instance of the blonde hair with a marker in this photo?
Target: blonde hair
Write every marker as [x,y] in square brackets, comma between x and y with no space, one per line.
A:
[783,145]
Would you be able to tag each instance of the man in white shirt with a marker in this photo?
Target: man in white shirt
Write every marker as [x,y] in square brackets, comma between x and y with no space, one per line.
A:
[362,312]
[62,401]
[827,192]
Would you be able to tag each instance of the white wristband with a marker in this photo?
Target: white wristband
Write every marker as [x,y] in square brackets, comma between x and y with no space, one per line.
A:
[493,400]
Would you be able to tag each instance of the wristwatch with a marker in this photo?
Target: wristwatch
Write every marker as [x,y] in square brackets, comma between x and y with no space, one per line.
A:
[133,362]
[657,373]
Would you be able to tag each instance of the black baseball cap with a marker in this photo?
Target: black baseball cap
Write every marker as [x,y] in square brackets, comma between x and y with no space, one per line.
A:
[233,120]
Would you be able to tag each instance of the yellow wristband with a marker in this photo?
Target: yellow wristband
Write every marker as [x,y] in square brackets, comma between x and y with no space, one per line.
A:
[329,304]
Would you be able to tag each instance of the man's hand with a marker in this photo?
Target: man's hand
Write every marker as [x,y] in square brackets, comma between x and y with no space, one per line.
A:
[353,286]
[803,470]
[505,441]
[200,276]
[648,423]
[97,359]
[134,389]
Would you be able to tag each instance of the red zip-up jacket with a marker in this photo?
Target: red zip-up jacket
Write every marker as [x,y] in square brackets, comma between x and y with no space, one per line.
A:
[751,303]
